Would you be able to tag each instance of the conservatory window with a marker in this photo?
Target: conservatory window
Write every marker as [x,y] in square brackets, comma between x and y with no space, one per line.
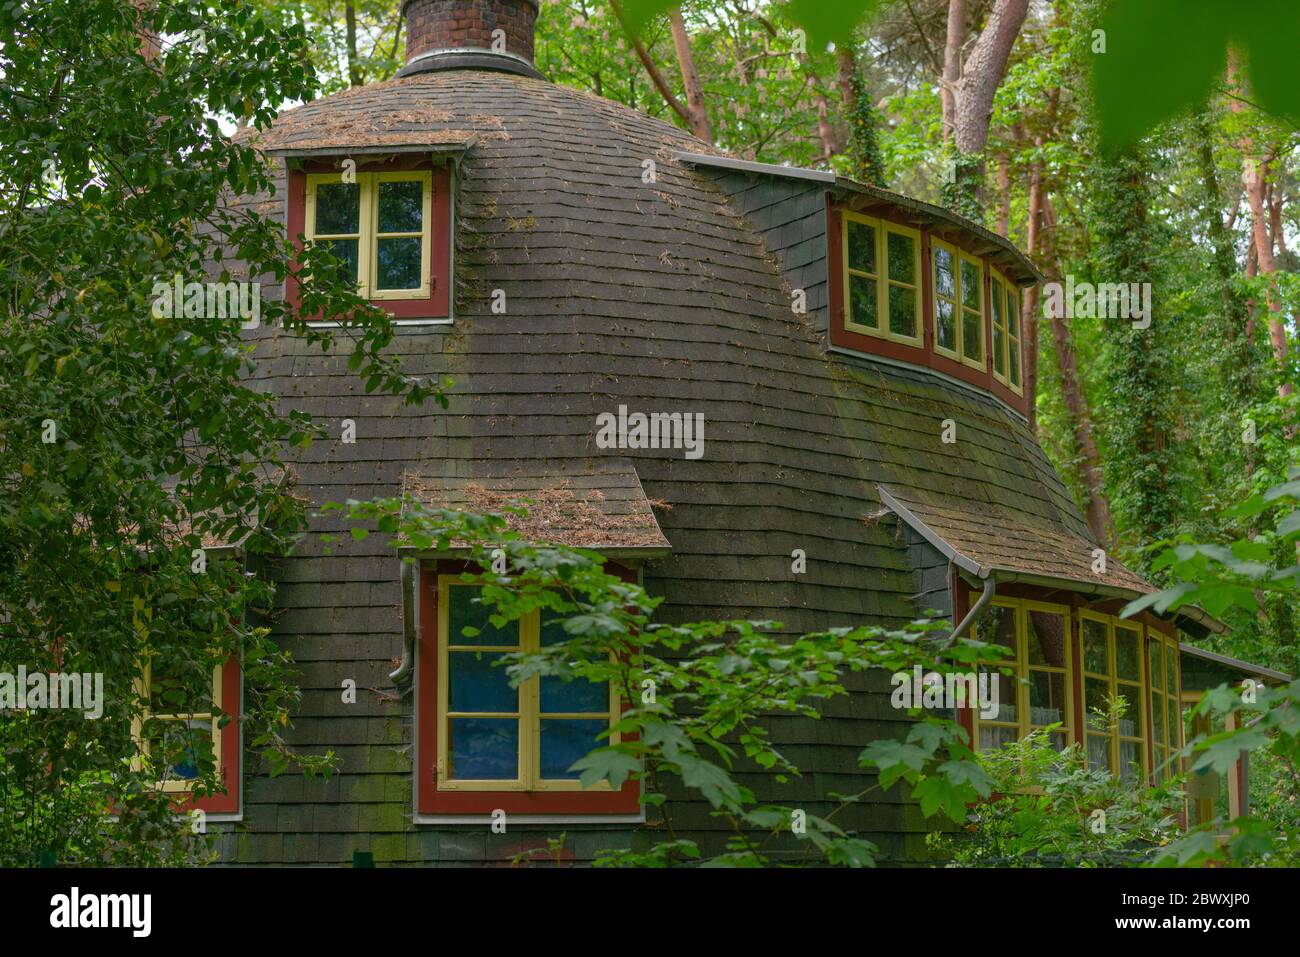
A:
[1034,674]
[1112,668]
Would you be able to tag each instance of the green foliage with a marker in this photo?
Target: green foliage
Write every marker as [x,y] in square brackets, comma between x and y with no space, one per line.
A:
[132,439]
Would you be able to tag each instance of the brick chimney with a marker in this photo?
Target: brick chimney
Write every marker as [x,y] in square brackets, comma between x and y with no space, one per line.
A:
[470,34]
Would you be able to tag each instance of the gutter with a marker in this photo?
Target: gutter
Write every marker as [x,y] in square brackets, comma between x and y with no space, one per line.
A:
[403,673]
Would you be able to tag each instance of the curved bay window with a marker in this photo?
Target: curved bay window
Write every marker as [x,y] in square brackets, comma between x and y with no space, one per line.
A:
[882,279]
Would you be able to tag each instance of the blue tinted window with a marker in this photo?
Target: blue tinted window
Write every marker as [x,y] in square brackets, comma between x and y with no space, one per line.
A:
[564,741]
[476,683]
[484,749]
[465,611]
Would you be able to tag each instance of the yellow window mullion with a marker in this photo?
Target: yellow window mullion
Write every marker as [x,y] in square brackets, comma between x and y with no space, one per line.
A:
[530,737]
[366,246]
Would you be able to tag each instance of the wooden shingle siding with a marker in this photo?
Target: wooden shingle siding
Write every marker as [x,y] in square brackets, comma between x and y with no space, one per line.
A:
[669,296]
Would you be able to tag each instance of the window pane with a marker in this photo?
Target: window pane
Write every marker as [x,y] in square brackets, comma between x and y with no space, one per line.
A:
[578,696]
[1099,752]
[945,283]
[465,612]
[401,207]
[999,361]
[477,684]
[902,258]
[346,250]
[1173,722]
[399,263]
[998,627]
[179,688]
[970,285]
[1094,647]
[995,736]
[1130,725]
[484,749]
[902,311]
[1157,670]
[945,327]
[972,334]
[1013,311]
[1006,688]
[1046,698]
[1095,693]
[181,743]
[338,209]
[862,301]
[1171,674]
[1158,717]
[564,741]
[1126,654]
[1130,761]
[1046,638]
[1013,360]
[862,247]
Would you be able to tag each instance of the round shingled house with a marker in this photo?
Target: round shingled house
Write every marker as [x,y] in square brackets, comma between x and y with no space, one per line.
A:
[702,367]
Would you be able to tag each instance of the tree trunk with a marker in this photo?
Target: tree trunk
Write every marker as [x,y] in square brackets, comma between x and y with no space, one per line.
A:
[350,23]
[952,66]
[648,62]
[697,118]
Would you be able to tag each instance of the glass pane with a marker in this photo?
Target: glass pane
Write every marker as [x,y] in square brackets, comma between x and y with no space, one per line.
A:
[862,247]
[1158,717]
[179,688]
[998,627]
[578,696]
[902,258]
[1156,670]
[1095,694]
[994,736]
[477,684]
[1099,752]
[1013,311]
[182,742]
[1046,638]
[466,612]
[1171,674]
[1130,725]
[338,209]
[565,741]
[1127,651]
[945,327]
[972,335]
[1094,647]
[483,749]
[999,360]
[1046,698]
[346,250]
[1057,739]
[1005,688]
[1173,723]
[862,301]
[1013,360]
[902,311]
[401,207]
[997,303]
[945,282]
[399,263]
[970,285]
[1130,760]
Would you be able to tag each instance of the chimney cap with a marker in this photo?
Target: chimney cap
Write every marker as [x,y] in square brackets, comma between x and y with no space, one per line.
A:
[470,35]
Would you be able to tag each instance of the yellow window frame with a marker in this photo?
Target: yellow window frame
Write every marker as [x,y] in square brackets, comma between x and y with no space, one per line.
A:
[368,235]
[981,361]
[1024,669]
[998,287]
[1010,312]
[1136,689]
[529,713]
[881,230]
[143,686]
[1164,746]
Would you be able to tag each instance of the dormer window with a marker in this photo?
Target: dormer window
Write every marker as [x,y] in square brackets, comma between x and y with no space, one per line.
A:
[882,277]
[390,224]
[907,287]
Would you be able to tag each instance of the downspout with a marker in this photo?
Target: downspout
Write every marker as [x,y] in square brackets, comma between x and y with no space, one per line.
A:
[403,673]
[990,584]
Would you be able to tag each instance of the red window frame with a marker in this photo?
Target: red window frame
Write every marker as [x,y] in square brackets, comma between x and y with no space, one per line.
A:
[428,799]
[232,687]
[924,354]
[438,303]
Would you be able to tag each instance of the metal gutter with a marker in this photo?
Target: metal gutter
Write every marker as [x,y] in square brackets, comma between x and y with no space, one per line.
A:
[410,599]
[748,166]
